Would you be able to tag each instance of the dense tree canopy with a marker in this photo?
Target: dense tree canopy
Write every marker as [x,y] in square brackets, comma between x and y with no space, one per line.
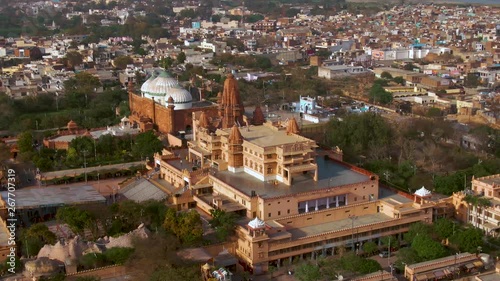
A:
[357,134]
[77,219]
[121,62]
[187,226]
[223,223]
[468,240]
[36,236]
[146,144]
[428,249]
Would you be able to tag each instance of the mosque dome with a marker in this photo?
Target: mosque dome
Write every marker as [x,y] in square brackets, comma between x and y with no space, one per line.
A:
[146,84]
[182,98]
[164,86]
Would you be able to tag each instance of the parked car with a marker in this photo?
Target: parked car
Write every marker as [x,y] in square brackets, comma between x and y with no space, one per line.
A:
[384,254]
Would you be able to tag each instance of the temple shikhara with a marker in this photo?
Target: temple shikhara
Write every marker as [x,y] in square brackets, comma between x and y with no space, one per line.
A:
[294,200]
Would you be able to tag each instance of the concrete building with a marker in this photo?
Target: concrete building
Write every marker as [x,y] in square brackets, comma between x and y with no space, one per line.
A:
[447,267]
[484,215]
[333,71]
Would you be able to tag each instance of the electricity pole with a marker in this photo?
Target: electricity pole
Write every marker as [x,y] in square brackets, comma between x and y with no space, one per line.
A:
[85,163]
[352,217]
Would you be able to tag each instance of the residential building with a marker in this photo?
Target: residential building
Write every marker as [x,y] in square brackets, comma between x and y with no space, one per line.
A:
[334,71]
[481,215]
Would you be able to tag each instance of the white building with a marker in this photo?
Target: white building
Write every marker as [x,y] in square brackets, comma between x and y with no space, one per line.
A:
[332,71]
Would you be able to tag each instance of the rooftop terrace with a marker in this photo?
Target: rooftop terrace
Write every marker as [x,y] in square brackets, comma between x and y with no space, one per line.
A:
[264,136]
[330,174]
[311,230]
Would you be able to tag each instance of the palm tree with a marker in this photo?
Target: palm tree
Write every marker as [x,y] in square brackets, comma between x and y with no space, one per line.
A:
[479,203]
[483,203]
[471,201]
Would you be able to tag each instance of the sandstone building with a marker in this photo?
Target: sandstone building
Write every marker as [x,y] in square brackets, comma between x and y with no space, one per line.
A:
[164,105]
[294,200]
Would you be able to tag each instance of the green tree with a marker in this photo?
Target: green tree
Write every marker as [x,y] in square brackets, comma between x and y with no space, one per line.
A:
[25,142]
[386,75]
[406,256]
[146,144]
[428,249]
[434,112]
[187,226]
[166,63]
[188,13]
[468,240]
[370,247]
[415,229]
[472,80]
[80,89]
[444,228]
[252,18]
[73,58]
[78,220]
[357,134]
[36,236]
[369,266]
[400,80]
[93,260]
[223,222]
[308,272]
[181,57]
[292,12]
[379,95]
[118,255]
[121,62]
[392,240]
[82,145]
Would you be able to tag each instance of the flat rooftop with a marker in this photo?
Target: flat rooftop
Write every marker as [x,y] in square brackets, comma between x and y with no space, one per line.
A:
[181,163]
[338,225]
[55,196]
[330,174]
[264,136]
[143,191]
[493,179]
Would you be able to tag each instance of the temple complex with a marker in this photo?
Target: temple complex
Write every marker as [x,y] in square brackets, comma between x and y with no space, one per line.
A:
[293,199]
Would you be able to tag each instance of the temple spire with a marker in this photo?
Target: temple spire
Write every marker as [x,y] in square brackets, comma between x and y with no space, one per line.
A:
[230,105]
[292,127]
[258,116]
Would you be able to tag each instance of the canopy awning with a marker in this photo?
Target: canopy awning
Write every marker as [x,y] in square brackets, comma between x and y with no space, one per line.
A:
[420,277]
[439,274]
[478,264]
